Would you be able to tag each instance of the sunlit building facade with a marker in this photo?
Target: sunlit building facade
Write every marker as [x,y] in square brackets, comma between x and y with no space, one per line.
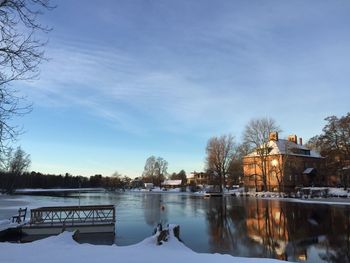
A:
[287,164]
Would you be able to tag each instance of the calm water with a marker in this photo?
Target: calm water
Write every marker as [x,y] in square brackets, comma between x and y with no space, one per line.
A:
[237,226]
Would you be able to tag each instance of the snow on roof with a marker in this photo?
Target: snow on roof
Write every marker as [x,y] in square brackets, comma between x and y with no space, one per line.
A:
[308,170]
[190,176]
[172,182]
[287,147]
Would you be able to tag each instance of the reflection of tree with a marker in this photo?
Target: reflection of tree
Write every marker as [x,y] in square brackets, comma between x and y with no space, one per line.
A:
[277,229]
[221,225]
[338,242]
[267,225]
[227,228]
[154,214]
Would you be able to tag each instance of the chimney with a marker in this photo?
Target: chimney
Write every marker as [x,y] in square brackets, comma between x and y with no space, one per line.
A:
[293,138]
[273,136]
[301,141]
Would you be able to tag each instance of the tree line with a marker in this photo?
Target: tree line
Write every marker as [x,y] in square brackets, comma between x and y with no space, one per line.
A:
[10,181]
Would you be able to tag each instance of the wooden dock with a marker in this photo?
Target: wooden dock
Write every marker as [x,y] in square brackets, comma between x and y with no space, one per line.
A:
[86,219]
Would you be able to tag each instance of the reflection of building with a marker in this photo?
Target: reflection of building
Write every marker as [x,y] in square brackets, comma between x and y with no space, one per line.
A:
[267,225]
[287,165]
[198,178]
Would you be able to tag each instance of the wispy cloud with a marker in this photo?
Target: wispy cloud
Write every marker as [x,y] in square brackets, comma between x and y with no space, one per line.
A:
[114,85]
[220,72]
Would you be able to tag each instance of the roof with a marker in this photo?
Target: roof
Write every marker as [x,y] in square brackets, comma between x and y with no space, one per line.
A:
[172,182]
[287,147]
[190,176]
[308,170]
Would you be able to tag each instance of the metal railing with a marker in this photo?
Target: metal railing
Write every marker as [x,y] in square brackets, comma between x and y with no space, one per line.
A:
[73,215]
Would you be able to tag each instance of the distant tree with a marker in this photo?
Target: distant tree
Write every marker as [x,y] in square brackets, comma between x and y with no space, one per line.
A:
[334,144]
[126,181]
[256,136]
[16,164]
[116,181]
[96,180]
[149,169]
[173,176]
[21,52]
[220,153]
[19,162]
[314,143]
[155,170]
[183,177]
[235,172]
[179,176]
[136,183]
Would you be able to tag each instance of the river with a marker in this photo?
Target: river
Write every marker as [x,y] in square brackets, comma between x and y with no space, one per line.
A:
[240,226]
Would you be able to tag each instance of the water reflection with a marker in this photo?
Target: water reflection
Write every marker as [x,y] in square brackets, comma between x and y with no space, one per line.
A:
[282,230]
[237,226]
[151,209]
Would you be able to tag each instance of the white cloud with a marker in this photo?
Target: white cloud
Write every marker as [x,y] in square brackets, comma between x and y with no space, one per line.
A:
[242,64]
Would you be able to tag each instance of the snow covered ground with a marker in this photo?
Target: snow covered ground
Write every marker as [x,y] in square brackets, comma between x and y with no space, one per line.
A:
[63,248]
[157,190]
[6,224]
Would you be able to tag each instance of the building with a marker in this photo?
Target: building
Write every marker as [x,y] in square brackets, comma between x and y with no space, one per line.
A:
[198,178]
[287,164]
[171,184]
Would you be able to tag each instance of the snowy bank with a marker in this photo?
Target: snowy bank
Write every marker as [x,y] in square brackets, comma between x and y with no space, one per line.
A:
[63,248]
[7,224]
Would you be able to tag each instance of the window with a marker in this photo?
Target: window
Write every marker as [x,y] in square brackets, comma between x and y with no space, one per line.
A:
[301,151]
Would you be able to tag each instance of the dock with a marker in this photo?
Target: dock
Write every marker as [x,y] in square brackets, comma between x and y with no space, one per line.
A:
[214,194]
[86,219]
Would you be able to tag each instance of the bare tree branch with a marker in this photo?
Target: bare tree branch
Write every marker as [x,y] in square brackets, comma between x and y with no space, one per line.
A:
[220,153]
[256,135]
[20,56]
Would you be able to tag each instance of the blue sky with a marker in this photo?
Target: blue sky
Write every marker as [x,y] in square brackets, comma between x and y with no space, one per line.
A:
[131,79]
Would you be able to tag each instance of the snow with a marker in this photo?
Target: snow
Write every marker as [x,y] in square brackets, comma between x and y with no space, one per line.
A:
[338,192]
[157,190]
[320,201]
[284,147]
[190,176]
[63,248]
[335,196]
[7,224]
[172,182]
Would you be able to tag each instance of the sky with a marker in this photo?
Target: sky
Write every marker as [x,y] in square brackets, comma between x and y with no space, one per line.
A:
[129,79]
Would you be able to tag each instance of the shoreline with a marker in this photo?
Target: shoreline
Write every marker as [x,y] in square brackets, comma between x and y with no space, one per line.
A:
[170,251]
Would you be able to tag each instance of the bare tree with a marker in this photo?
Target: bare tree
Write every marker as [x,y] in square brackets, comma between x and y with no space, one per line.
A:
[256,135]
[20,55]
[17,163]
[220,152]
[281,167]
[155,170]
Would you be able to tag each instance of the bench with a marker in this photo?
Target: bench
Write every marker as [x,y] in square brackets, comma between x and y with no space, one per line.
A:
[21,216]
